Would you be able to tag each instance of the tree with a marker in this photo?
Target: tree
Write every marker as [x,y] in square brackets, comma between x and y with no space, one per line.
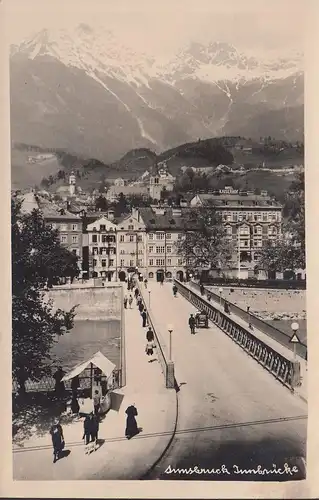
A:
[38,260]
[289,252]
[204,244]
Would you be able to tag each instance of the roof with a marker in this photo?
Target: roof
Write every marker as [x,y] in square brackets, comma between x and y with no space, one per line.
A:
[239,200]
[98,360]
[29,203]
[52,211]
[169,220]
[116,190]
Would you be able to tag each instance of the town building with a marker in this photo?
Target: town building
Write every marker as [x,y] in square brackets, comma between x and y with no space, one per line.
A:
[70,227]
[131,245]
[119,182]
[164,226]
[159,179]
[250,221]
[114,192]
[102,257]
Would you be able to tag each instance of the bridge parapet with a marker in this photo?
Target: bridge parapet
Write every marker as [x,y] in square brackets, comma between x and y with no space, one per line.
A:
[281,366]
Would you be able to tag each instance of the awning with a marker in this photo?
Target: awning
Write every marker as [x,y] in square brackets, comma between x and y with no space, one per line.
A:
[98,360]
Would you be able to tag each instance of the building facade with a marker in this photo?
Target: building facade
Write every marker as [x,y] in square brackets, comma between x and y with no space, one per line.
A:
[70,227]
[102,257]
[250,221]
[131,245]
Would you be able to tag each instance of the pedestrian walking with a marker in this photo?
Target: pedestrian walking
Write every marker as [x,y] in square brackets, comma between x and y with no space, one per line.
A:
[125,302]
[87,431]
[149,335]
[95,424]
[144,318]
[75,384]
[131,424]
[140,306]
[226,307]
[202,289]
[57,437]
[96,402]
[149,350]
[130,301]
[59,384]
[145,283]
[175,289]
[191,323]
[136,293]
[162,280]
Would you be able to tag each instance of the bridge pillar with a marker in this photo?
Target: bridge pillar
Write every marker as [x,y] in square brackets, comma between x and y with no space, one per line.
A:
[296,378]
[170,375]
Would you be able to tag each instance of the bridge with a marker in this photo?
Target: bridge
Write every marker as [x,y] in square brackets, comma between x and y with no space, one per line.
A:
[231,411]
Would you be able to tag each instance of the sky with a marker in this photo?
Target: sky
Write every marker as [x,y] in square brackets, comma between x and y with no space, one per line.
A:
[163,26]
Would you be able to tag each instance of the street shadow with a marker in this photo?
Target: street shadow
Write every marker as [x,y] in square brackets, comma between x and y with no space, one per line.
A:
[64,454]
[34,413]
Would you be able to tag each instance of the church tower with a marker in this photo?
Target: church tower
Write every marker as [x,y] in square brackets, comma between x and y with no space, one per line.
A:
[72,184]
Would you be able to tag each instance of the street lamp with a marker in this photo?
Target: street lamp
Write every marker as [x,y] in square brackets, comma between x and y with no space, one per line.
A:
[220,296]
[295,328]
[170,330]
[248,312]
[149,299]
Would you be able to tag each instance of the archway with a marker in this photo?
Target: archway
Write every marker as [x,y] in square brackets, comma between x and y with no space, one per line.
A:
[180,275]
[168,275]
[122,275]
[151,275]
[160,275]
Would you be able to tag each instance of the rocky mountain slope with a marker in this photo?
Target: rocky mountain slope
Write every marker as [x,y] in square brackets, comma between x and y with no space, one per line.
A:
[84,91]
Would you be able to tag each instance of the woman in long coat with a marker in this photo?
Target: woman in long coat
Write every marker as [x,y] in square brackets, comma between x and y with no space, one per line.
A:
[131,424]
[57,437]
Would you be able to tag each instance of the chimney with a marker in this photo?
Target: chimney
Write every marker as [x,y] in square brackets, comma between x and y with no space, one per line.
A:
[135,213]
[110,215]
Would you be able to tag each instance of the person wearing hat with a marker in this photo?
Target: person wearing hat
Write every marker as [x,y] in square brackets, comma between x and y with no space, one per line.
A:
[57,437]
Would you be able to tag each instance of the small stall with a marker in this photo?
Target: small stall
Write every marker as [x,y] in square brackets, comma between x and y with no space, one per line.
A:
[99,381]
[201,319]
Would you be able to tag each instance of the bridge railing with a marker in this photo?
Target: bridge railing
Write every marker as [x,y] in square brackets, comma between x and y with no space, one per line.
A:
[167,366]
[280,366]
[265,327]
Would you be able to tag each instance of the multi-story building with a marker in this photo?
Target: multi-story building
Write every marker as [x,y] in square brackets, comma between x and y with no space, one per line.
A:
[102,258]
[131,245]
[164,227]
[250,221]
[70,227]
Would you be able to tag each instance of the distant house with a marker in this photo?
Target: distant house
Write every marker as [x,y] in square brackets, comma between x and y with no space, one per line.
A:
[114,191]
[119,182]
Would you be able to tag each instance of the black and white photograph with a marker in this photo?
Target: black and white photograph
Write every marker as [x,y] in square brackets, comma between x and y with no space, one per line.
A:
[158,240]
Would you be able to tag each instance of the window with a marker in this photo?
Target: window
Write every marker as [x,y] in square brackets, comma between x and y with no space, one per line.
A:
[244,230]
[257,230]
[151,275]
[131,227]
[151,249]
[151,236]
[63,238]
[229,230]
[103,262]
[95,250]
[168,236]
[168,275]
[131,238]
[111,262]
[140,252]
[180,236]
[228,218]
[151,262]
[240,217]
[104,238]
[122,263]
[259,217]
[103,251]
[139,237]
[131,263]
[169,262]
[63,227]
[235,217]
[246,243]
[94,262]
[140,262]
[169,249]
[179,262]
[94,238]
[160,262]
[102,227]
[159,236]
[160,249]
[122,252]
[74,227]
[75,251]
[74,239]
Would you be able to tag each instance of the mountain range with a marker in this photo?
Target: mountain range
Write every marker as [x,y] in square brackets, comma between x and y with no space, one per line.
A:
[84,91]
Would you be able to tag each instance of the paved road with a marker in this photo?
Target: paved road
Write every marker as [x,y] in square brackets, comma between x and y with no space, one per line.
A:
[231,411]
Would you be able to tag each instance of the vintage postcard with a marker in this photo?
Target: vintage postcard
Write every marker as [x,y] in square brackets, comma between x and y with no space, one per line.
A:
[160,307]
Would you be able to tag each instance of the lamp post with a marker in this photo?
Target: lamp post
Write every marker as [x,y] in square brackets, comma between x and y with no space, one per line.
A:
[295,328]
[149,299]
[248,312]
[220,296]
[170,330]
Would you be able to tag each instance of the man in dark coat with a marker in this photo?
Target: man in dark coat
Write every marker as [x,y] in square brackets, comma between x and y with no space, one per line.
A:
[94,429]
[75,384]
[149,335]
[144,318]
[87,427]
[136,293]
[191,323]
[131,424]
[140,307]
[202,289]
[57,437]
[175,290]
[59,385]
